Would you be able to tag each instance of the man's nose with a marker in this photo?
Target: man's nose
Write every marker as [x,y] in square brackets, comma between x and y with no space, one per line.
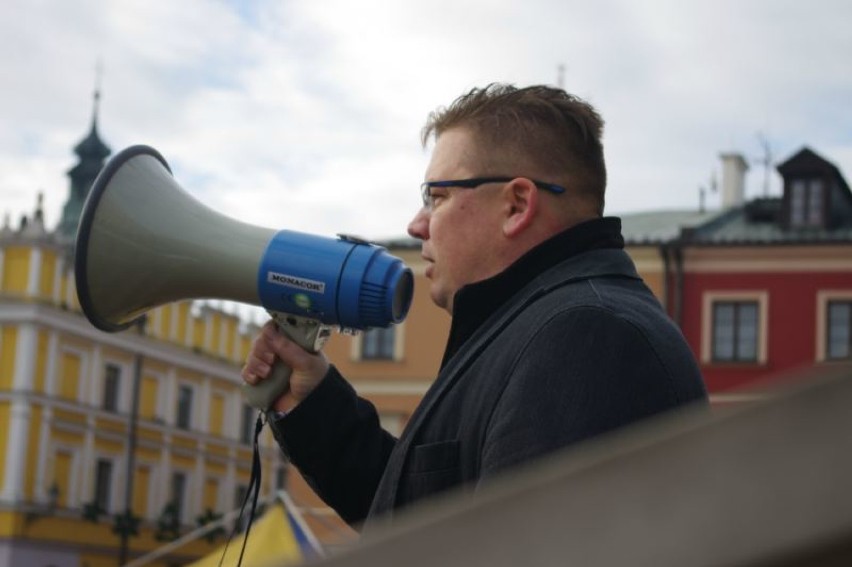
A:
[419,225]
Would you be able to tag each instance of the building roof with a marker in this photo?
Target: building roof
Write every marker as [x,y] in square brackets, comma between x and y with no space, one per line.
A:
[758,222]
[768,220]
[656,227]
[808,161]
[92,147]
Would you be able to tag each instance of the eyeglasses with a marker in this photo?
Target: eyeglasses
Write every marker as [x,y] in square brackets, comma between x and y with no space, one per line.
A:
[429,199]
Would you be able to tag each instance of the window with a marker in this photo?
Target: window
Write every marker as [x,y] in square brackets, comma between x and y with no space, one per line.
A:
[178,491]
[839,330]
[378,344]
[797,202]
[103,484]
[184,407]
[833,325]
[806,202]
[735,328]
[112,376]
[815,203]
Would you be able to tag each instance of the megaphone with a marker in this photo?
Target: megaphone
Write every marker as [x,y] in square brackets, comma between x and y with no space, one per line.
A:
[143,241]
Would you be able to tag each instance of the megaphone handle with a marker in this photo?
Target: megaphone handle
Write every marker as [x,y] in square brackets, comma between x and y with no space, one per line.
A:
[310,334]
[263,394]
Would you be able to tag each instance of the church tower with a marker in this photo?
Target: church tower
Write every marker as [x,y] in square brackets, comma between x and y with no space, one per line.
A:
[92,153]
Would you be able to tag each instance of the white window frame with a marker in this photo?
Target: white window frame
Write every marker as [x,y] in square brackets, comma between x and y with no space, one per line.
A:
[823,298]
[710,298]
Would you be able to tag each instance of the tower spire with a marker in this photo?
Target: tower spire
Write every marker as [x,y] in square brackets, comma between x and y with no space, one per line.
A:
[92,152]
[99,71]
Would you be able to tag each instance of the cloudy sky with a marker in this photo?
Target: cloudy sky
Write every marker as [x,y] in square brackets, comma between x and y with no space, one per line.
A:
[305,114]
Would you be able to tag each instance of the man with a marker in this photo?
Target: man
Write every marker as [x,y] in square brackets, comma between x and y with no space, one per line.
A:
[554,337]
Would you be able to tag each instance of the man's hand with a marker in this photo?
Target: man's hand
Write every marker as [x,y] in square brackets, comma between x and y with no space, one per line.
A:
[308,369]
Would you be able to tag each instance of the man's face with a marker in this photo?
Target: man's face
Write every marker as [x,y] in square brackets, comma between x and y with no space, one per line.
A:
[461,234]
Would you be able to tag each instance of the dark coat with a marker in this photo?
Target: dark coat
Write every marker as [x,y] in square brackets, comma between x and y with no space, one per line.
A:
[582,349]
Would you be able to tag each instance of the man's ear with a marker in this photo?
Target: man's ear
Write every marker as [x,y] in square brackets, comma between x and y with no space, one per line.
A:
[521,206]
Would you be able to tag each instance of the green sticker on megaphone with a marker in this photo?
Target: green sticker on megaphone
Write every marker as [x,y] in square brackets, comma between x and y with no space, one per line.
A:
[302,301]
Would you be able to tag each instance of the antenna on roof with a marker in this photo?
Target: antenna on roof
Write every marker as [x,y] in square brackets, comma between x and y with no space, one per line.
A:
[765,160]
[711,186]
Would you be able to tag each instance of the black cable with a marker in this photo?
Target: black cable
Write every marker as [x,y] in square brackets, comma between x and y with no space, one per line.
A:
[254,483]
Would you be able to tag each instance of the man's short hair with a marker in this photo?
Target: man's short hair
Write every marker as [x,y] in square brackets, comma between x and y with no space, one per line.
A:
[557,133]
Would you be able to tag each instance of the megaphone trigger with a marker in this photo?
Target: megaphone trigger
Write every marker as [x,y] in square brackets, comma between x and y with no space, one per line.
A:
[309,334]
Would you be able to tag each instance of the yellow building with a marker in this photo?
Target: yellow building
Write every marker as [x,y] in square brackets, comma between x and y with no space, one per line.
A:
[78,405]
[93,424]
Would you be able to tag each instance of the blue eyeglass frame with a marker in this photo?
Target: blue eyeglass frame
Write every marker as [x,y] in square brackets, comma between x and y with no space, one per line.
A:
[475,182]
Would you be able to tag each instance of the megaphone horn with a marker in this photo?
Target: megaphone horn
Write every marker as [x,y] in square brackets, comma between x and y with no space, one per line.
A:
[143,241]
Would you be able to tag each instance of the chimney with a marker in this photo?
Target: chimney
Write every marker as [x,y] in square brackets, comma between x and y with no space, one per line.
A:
[734,167]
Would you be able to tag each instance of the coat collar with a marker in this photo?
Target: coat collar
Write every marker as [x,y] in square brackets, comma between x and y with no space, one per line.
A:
[474,303]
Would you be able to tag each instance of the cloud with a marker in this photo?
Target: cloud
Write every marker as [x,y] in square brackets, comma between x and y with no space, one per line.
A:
[308,113]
